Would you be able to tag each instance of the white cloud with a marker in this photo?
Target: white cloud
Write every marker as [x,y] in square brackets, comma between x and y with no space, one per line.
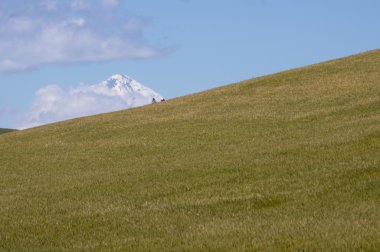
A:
[53,104]
[76,21]
[38,37]
[68,42]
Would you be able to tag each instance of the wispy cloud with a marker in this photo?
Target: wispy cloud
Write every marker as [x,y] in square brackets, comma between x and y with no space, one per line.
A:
[51,32]
[53,104]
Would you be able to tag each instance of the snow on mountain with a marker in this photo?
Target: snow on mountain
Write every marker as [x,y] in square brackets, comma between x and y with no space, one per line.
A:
[53,104]
[132,92]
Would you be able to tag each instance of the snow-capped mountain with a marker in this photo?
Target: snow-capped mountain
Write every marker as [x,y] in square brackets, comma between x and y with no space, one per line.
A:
[127,90]
[131,91]
[53,104]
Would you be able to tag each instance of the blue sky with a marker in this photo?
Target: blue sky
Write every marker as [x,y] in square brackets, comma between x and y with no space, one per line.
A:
[175,47]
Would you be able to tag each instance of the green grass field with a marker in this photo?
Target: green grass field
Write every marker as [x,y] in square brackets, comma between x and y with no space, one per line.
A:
[289,161]
[3,131]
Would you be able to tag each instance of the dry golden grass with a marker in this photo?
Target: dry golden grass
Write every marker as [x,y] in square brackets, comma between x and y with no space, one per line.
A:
[289,161]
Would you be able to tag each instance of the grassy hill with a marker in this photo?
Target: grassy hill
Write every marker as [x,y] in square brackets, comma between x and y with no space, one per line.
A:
[2,131]
[289,161]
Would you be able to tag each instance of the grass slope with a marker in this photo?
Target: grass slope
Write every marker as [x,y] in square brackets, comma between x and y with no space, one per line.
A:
[289,161]
[3,131]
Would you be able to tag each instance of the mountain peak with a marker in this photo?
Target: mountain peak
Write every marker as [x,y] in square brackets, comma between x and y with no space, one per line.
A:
[119,77]
[133,92]
[118,80]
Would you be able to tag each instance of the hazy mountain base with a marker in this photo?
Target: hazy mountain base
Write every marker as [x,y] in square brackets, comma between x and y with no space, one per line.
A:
[289,161]
[3,131]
